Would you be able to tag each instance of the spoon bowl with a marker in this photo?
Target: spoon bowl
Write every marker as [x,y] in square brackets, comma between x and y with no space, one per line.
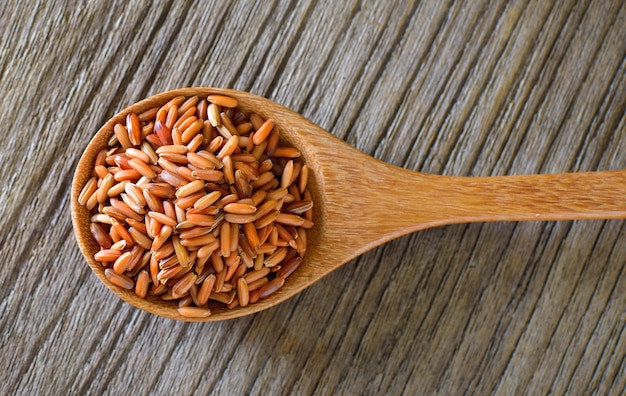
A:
[361,202]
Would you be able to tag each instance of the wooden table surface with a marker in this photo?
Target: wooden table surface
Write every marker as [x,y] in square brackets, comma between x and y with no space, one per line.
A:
[457,88]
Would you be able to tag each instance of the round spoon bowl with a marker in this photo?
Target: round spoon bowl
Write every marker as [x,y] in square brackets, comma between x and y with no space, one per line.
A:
[248,103]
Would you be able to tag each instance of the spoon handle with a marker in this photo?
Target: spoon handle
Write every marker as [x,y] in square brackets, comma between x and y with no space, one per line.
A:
[397,201]
[570,196]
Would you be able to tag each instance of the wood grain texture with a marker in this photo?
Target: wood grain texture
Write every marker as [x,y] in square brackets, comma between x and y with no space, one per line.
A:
[456,88]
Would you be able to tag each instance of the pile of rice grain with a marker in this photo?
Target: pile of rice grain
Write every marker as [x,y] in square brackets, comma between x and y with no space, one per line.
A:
[196,201]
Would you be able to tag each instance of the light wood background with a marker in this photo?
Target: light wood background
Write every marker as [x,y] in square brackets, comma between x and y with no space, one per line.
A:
[458,88]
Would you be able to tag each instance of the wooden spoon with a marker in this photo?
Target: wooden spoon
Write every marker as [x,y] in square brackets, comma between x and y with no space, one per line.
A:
[361,202]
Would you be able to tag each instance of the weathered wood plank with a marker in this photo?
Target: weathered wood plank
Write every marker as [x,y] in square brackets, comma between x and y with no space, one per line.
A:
[478,88]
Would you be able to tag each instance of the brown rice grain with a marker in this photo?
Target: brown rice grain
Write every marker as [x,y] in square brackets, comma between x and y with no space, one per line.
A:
[257,284]
[201,109]
[148,115]
[228,124]
[195,143]
[273,235]
[165,251]
[181,252]
[239,218]
[264,233]
[200,161]
[199,241]
[137,154]
[223,298]
[101,218]
[290,219]
[267,219]
[254,296]
[289,267]
[119,280]
[267,248]
[209,175]
[246,258]
[101,171]
[122,232]
[140,238]
[172,149]
[215,144]
[154,140]
[234,238]
[202,220]
[255,275]
[205,289]
[168,273]
[163,219]
[161,190]
[194,312]
[127,174]
[229,171]
[233,304]
[122,263]
[153,227]
[142,284]
[225,239]
[183,285]
[307,224]
[232,259]
[221,100]
[134,129]
[189,103]
[217,262]
[286,152]
[192,130]
[157,289]
[184,301]
[244,128]
[247,169]
[153,203]
[194,232]
[263,132]
[259,151]
[229,147]
[213,115]
[190,188]
[211,157]
[186,173]
[105,185]
[100,235]
[271,287]
[90,187]
[263,179]
[121,133]
[136,193]
[186,203]
[107,255]
[243,294]
[256,121]
[185,118]
[220,277]
[172,116]
[286,177]
[239,208]
[207,200]
[258,261]
[230,272]
[301,242]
